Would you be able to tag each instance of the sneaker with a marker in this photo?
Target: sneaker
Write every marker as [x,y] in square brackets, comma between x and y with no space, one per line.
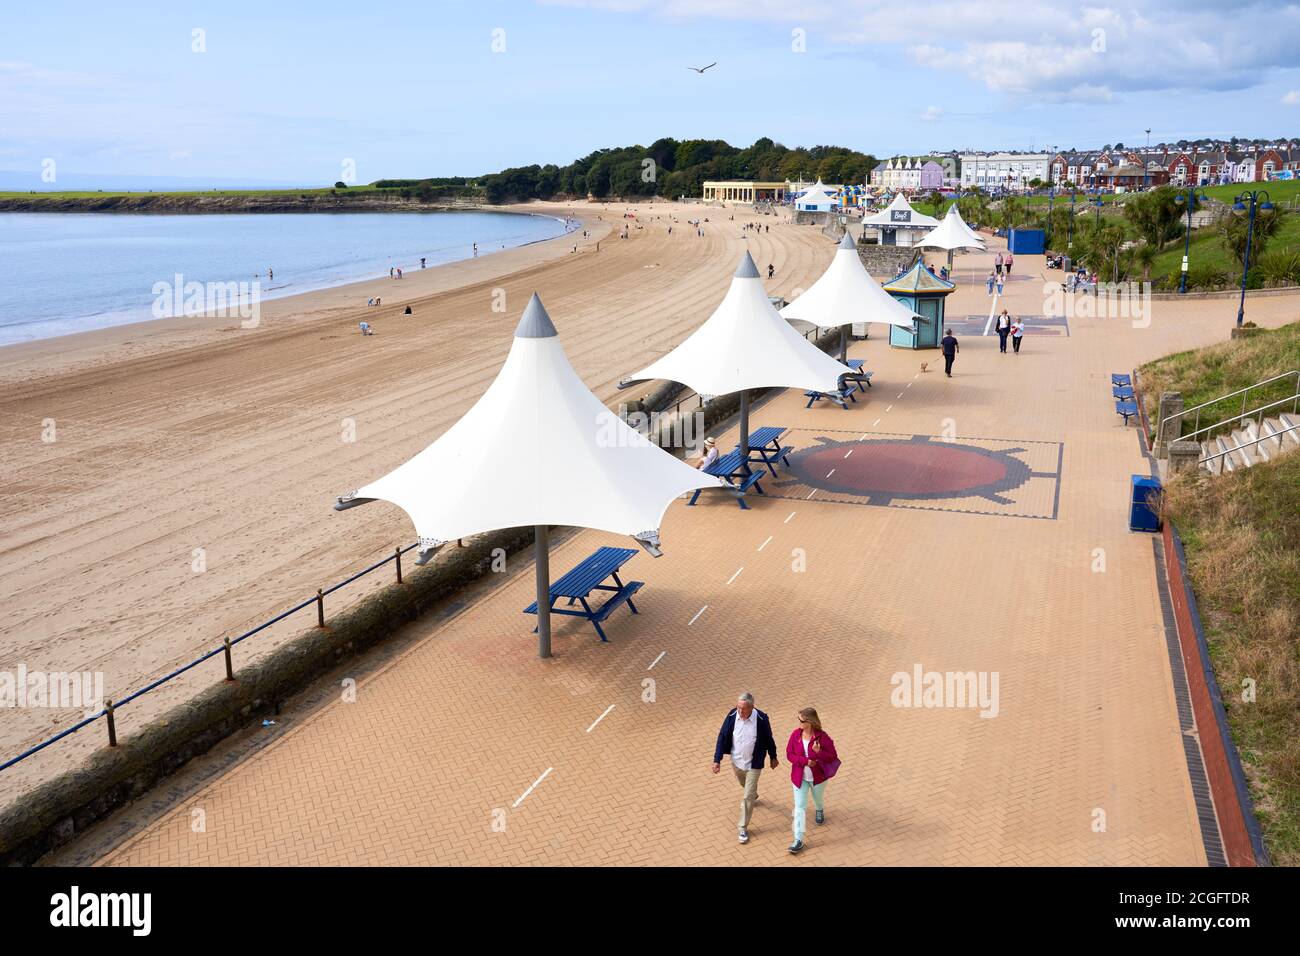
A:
[796,846]
[744,836]
[821,817]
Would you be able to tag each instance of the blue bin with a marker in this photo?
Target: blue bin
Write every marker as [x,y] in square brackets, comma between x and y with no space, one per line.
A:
[1142,504]
[1025,242]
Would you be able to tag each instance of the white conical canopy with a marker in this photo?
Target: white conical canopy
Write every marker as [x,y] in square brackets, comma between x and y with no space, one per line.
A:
[537,449]
[846,294]
[900,213]
[817,193]
[955,214]
[746,344]
[952,233]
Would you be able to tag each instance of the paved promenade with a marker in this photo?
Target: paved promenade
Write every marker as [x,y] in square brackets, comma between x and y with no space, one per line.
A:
[885,548]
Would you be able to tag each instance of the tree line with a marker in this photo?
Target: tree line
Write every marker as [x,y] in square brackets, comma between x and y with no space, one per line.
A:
[673,168]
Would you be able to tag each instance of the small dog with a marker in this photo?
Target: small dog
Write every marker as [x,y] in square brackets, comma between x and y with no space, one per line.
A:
[924,366]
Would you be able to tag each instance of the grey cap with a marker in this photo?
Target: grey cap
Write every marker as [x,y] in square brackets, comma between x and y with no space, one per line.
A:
[746,269]
[848,243]
[535,324]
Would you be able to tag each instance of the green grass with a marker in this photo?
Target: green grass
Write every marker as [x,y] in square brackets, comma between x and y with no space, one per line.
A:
[1241,534]
[1205,374]
[1209,252]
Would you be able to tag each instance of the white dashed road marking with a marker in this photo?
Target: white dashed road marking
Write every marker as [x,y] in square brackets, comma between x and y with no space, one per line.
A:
[659,658]
[600,718]
[736,575]
[697,615]
[525,794]
[765,543]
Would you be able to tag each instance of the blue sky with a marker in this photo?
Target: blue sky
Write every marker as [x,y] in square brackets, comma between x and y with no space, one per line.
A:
[415,89]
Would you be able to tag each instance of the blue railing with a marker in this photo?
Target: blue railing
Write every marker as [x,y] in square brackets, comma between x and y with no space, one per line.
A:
[110,708]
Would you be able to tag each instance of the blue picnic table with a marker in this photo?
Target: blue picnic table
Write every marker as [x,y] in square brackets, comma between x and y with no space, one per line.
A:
[838,396]
[765,446]
[736,472]
[590,575]
[1124,392]
[858,375]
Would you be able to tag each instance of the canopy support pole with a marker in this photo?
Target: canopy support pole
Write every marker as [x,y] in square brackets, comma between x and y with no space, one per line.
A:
[744,429]
[542,556]
[844,344]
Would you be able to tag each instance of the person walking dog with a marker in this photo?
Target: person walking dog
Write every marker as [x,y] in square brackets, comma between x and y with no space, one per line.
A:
[746,734]
[813,760]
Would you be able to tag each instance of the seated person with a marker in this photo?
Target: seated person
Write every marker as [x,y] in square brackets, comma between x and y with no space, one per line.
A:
[366,329]
[710,454]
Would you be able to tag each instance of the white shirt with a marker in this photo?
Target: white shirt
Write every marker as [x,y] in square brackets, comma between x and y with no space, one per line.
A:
[744,735]
[710,456]
[807,768]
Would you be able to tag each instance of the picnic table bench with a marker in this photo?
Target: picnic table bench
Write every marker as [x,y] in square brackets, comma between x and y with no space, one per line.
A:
[736,472]
[1118,379]
[765,443]
[837,396]
[588,576]
[859,375]
[1127,409]
[1122,391]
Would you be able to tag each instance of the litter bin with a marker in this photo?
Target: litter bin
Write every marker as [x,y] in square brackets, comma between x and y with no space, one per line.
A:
[1142,504]
[1067,266]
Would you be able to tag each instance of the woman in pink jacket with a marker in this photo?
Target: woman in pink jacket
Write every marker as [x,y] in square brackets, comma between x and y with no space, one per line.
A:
[813,761]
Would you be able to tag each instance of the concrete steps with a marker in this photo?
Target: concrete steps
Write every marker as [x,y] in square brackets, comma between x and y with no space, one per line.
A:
[1254,443]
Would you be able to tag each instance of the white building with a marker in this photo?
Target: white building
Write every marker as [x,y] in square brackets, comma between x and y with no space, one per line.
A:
[989,171]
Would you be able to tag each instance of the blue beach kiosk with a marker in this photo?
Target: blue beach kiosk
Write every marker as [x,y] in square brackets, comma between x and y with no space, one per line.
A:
[924,293]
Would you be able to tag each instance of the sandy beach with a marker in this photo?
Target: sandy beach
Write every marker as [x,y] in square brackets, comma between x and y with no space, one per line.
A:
[185,434]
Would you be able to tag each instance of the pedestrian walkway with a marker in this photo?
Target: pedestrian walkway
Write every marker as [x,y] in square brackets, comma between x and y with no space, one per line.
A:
[973,524]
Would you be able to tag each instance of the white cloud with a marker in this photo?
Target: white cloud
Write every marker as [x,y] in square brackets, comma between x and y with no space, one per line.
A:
[932,113]
[1291,98]
[1087,51]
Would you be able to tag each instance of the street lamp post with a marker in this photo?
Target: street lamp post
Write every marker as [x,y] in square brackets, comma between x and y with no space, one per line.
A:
[1189,198]
[1070,240]
[1258,199]
[1051,202]
[1097,201]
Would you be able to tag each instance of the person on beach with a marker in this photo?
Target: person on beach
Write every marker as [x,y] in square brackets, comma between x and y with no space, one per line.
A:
[771,270]
[997,263]
[366,329]
[746,735]
[813,760]
[950,350]
[422,262]
[270,273]
[476,248]
[1017,333]
[1006,264]
[710,454]
[1004,329]
[392,270]
[399,273]
[408,311]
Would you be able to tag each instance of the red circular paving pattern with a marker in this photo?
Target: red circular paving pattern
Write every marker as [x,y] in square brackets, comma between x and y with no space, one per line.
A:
[909,468]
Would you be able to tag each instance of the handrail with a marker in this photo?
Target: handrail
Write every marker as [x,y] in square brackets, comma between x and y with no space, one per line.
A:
[1214,401]
[1287,430]
[224,648]
[1249,414]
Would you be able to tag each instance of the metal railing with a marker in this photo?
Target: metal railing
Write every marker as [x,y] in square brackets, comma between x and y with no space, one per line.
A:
[110,708]
[1214,401]
[1293,399]
[1262,438]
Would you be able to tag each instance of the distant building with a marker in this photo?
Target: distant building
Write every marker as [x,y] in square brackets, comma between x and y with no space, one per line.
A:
[1001,171]
[922,174]
[739,191]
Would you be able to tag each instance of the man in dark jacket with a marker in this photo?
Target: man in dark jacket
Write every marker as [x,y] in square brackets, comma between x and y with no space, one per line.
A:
[746,735]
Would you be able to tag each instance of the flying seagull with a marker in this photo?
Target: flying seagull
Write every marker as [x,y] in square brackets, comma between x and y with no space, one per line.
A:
[701,69]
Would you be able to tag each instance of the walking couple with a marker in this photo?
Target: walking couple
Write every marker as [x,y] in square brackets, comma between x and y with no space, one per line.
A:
[746,735]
